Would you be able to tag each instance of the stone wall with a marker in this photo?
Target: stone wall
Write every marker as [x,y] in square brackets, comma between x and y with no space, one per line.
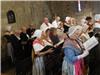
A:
[25,12]
[70,8]
[28,12]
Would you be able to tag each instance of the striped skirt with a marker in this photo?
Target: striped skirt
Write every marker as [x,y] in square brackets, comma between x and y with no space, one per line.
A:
[38,66]
[67,68]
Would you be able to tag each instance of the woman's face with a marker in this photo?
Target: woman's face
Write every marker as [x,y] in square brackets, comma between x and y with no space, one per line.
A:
[48,33]
[42,35]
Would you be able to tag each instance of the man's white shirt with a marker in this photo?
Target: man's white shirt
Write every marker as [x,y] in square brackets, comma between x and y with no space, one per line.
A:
[43,27]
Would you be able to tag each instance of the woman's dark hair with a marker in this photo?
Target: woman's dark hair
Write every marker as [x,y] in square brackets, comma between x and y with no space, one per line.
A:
[47,30]
[88,18]
[52,30]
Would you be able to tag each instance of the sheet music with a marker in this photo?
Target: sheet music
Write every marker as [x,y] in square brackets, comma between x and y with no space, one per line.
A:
[46,48]
[90,43]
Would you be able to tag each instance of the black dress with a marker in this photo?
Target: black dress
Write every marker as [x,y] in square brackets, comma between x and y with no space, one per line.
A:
[54,39]
[53,61]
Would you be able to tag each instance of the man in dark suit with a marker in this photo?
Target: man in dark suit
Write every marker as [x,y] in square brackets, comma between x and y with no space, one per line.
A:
[16,44]
[17,52]
[30,30]
[24,40]
[94,62]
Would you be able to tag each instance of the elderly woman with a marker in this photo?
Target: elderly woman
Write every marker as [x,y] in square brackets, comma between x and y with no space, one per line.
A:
[53,61]
[74,54]
[38,45]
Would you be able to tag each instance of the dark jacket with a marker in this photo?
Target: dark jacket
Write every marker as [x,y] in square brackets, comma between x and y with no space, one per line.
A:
[18,53]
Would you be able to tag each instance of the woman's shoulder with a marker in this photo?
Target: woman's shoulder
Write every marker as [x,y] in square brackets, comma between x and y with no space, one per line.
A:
[67,43]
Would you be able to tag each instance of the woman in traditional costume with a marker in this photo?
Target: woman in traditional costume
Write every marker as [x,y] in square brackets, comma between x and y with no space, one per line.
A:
[73,63]
[38,46]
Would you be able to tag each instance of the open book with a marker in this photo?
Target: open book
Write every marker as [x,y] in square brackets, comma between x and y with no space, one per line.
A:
[51,47]
[46,48]
[90,43]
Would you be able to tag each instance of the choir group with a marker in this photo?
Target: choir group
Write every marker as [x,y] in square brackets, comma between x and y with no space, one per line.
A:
[55,48]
